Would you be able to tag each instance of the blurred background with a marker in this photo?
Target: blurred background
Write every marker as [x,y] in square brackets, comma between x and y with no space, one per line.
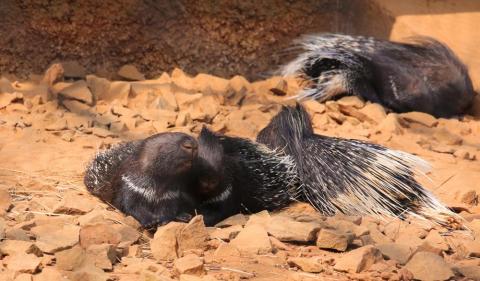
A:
[222,38]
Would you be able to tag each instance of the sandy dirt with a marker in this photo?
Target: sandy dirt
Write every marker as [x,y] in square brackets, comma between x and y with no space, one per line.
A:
[49,132]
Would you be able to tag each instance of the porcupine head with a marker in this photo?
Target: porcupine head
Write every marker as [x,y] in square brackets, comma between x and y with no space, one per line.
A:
[209,167]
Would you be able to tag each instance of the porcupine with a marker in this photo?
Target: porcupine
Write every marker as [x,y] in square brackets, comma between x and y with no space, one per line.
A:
[421,75]
[351,176]
[227,175]
[146,178]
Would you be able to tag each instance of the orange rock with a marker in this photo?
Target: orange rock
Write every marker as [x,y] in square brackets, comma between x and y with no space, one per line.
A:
[190,264]
[334,239]
[99,234]
[5,202]
[164,243]
[312,264]
[428,266]
[70,259]
[252,240]
[130,72]
[358,260]
[23,263]
[193,236]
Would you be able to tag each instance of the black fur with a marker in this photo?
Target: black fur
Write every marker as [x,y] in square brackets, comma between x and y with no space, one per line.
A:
[423,75]
[148,180]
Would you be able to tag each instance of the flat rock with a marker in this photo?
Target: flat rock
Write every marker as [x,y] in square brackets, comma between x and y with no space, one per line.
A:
[446,137]
[204,81]
[5,202]
[312,264]
[472,272]
[392,251]
[226,233]
[99,234]
[23,263]
[261,218]
[118,90]
[193,236]
[358,260]
[130,72]
[314,106]
[428,266]
[288,230]
[74,204]
[351,101]
[204,109]
[252,240]
[50,274]
[23,277]
[3,229]
[102,255]
[334,239]
[7,98]
[226,251]
[373,111]
[420,118]
[70,259]
[189,264]
[15,234]
[54,238]
[435,241]
[391,125]
[13,247]
[103,133]
[164,243]
[79,91]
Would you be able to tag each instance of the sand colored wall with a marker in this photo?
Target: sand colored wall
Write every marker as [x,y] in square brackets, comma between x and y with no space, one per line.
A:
[455,22]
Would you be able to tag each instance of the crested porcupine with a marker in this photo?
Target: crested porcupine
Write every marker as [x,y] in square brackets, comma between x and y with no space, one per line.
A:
[145,178]
[351,176]
[422,75]
[238,175]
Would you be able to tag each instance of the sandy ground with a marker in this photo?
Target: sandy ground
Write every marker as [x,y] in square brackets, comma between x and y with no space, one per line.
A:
[49,132]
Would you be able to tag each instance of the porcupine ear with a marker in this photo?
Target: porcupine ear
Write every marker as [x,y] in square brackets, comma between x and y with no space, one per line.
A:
[210,149]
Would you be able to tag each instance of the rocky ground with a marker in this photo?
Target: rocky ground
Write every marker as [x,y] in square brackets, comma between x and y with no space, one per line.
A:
[52,229]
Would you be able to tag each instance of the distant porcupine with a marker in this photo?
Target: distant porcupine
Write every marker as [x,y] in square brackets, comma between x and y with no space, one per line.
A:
[146,178]
[423,75]
[351,176]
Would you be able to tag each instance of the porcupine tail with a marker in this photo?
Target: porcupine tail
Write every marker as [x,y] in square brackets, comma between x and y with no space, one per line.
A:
[354,177]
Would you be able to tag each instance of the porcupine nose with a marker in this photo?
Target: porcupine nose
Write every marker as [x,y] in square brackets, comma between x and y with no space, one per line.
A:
[190,146]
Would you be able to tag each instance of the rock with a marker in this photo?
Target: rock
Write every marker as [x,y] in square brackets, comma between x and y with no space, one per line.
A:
[54,238]
[118,90]
[193,236]
[103,255]
[313,106]
[99,234]
[70,259]
[128,234]
[72,69]
[358,260]
[287,230]
[466,154]
[351,101]
[14,247]
[23,277]
[184,100]
[53,74]
[103,133]
[472,272]
[474,225]
[78,91]
[23,263]
[373,111]
[190,264]
[60,124]
[50,274]
[164,243]
[420,118]
[16,234]
[261,218]
[74,204]
[98,86]
[204,81]
[3,230]
[226,251]
[472,248]
[334,239]
[5,202]
[312,264]
[444,136]
[252,240]
[233,220]
[347,226]
[204,109]
[435,241]
[227,233]
[428,266]
[391,125]
[7,98]
[392,251]
[130,72]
